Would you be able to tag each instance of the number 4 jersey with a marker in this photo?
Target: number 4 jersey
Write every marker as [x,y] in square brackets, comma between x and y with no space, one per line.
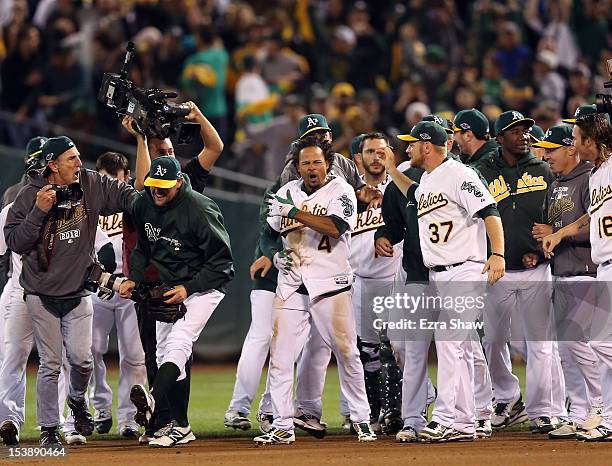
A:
[323,264]
[600,211]
[448,199]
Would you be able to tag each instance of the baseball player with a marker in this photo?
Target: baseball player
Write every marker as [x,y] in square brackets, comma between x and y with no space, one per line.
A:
[257,342]
[580,112]
[472,136]
[401,225]
[574,273]
[193,256]
[314,216]
[471,133]
[355,154]
[371,272]
[536,134]
[593,141]
[453,211]
[120,313]
[518,181]
[198,169]
[478,146]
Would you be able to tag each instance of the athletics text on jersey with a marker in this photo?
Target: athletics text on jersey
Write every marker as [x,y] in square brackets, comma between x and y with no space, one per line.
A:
[364,260]
[323,264]
[600,210]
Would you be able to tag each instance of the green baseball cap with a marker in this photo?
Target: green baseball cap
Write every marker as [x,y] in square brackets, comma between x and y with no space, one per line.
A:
[440,120]
[556,136]
[427,131]
[356,144]
[509,119]
[55,147]
[164,173]
[312,122]
[581,111]
[536,133]
[472,120]
[34,146]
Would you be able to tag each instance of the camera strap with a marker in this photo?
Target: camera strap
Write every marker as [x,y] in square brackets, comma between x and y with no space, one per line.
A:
[45,247]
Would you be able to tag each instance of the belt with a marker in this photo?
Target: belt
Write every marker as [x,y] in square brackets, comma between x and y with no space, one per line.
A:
[444,268]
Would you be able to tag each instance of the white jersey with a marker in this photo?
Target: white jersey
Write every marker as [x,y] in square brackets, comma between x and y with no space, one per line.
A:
[600,211]
[15,258]
[448,199]
[364,262]
[405,165]
[112,225]
[323,264]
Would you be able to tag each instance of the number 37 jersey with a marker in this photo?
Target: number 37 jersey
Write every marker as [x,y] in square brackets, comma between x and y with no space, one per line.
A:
[323,264]
[448,199]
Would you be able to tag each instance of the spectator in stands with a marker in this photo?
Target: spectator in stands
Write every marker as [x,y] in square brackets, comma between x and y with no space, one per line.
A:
[63,88]
[21,75]
[204,77]
[549,84]
[512,53]
[282,69]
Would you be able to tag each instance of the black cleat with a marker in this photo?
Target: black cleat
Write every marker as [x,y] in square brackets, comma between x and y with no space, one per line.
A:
[83,421]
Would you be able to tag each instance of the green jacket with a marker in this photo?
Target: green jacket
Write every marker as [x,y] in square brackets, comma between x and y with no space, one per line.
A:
[268,282]
[401,223]
[488,149]
[209,96]
[185,240]
[519,191]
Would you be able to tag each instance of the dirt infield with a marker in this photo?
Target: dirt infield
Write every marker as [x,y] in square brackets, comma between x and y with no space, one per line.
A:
[503,449]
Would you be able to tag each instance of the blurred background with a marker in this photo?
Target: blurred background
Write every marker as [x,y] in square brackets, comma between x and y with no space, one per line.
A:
[255,67]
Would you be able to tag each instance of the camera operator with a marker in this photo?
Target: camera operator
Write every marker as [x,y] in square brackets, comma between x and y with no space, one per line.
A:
[197,169]
[52,224]
[192,254]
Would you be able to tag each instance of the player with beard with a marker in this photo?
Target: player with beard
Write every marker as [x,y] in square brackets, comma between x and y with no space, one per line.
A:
[314,285]
[593,141]
[372,272]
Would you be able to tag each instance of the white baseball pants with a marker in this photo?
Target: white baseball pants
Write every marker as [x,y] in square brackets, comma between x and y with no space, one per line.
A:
[175,341]
[254,352]
[333,319]
[455,405]
[524,295]
[121,313]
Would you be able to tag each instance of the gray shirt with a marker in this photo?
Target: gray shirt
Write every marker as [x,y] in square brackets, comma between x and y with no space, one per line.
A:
[57,248]
[567,200]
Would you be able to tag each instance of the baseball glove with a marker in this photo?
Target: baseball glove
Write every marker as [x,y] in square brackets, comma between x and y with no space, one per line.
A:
[159,310]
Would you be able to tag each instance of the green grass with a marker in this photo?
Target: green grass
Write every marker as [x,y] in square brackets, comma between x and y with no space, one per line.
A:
[211,390]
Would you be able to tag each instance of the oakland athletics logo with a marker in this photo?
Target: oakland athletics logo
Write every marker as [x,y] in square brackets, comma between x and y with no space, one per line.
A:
[152,232]
[312,121]
[161,171]
[347,205]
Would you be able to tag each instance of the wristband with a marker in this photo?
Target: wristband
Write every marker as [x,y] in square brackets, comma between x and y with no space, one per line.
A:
[498,254]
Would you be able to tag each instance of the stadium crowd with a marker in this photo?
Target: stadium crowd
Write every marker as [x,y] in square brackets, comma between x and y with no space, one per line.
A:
[254,68]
